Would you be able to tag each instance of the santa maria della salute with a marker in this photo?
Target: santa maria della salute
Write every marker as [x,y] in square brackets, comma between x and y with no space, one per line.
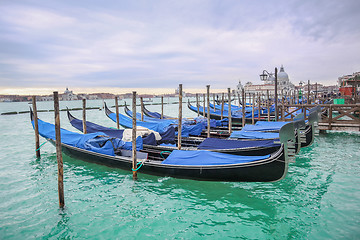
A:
[284,84]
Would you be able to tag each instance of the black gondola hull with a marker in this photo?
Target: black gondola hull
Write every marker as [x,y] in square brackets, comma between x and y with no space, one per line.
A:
[267,170]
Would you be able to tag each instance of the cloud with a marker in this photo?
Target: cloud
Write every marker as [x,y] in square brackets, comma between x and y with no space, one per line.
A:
[142,44]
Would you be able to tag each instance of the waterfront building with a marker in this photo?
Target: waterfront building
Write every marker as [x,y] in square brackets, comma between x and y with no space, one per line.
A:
[283,81]
[68,95]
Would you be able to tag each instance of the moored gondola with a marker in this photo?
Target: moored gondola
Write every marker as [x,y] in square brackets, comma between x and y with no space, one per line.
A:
[199,165]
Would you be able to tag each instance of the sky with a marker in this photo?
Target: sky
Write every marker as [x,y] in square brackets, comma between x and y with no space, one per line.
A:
[152,46]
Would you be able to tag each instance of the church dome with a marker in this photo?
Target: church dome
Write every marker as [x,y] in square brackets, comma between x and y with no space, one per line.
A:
[282,75]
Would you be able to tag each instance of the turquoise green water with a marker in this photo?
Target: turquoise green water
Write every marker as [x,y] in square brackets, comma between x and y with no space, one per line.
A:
[318,199]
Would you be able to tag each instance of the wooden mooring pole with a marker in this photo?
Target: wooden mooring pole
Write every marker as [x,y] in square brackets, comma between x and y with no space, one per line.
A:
[229,110]
[162,107]
[142,108]
[276,96]
[133,136]
[253,110]
[243,107]
[117,113]
[197,104]
[58,151]
[222,106]
[84,116]
[208,109]
[204,105]
[180,116]
[36,127]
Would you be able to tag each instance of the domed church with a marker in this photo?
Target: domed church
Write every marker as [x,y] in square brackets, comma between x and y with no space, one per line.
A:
[283,80]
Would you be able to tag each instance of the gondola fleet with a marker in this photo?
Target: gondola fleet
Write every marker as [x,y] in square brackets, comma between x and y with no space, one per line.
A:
[256,153]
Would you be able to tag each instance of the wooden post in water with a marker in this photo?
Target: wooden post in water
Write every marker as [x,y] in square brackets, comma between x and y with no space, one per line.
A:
[276,96]
[243,107]
[36,128]
[308,96]
[197,104]
[268,104]
[238,94]
[180,116]
[84,116]
[259,106]
[117,113]
[162,107]
[316,92]
[133,136]
[214,101]
[222,106]
[208,109]
[58,151]
[253,110]
[204,105]
[229,109]
[142,108]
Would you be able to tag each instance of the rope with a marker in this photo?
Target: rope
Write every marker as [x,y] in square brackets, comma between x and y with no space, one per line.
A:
[40,146]
[164,152]
[141,163]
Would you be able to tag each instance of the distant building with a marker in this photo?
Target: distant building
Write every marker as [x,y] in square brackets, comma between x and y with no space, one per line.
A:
[69,95]
[283,82]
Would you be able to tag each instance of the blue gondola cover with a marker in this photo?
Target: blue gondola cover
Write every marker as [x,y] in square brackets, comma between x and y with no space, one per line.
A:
[207,158]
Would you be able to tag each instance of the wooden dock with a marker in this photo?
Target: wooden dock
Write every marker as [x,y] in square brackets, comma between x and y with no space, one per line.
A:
[340,117]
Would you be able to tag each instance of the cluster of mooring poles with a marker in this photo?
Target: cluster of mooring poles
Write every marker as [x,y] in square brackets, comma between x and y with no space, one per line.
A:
[287,108]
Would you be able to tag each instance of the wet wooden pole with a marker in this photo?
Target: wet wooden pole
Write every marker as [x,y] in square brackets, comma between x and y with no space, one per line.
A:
[243,107]
[204,105]
[208,109]
[253,110]
[317,92]
[84,116]
[268,104]
[117,113]
[36,128]
[180,116]
[58,151]
[222,106]
[214,101]
[229,110]
[133,136]
[142,108]
[259,106]
[308,96]
[162,107]
[238,94]
[276,96]
[197,104]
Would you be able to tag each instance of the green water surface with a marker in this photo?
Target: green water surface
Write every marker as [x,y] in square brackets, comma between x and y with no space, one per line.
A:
[318,199]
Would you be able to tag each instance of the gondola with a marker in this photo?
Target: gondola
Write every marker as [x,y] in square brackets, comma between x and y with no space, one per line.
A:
[246,148]
[198,165]
[236,120]
[158,126]
[155,114]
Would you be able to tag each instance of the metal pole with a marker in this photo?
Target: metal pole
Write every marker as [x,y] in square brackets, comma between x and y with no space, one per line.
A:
[36,127]
[229,110]
[208,109]
[84,116]
[58,151]
[134,160]
[117,113]
[180,116]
